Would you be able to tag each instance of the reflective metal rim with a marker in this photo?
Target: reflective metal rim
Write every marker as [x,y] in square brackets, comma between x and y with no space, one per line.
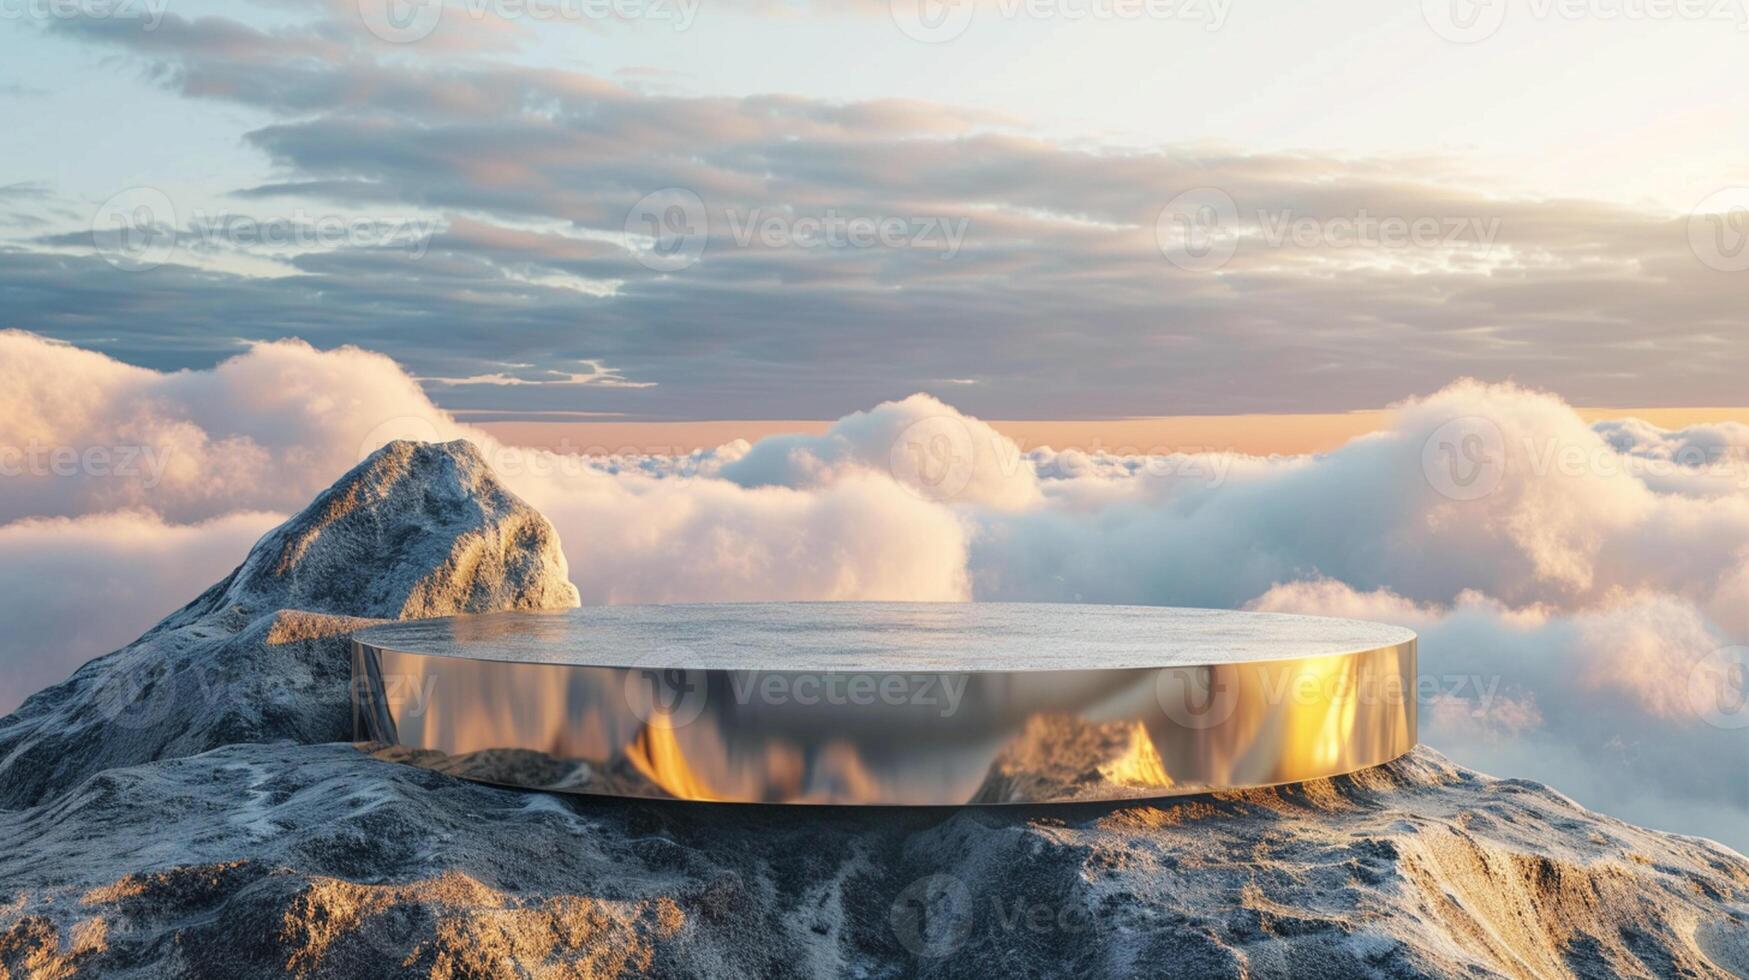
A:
[885,737]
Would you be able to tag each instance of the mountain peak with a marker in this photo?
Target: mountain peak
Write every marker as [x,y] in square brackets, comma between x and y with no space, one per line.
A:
[415,530]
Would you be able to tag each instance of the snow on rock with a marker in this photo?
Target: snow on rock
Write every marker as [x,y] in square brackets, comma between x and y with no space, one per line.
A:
[415,530]
[169,811]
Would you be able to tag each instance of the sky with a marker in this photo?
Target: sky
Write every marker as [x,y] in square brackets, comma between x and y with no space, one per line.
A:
[760,209]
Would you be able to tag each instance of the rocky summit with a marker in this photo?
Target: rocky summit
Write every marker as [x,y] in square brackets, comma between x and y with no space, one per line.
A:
[415,530]
[187,806]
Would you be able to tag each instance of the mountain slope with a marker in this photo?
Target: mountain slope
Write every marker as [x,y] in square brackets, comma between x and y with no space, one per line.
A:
[331,864]
[170,811]
[415,530]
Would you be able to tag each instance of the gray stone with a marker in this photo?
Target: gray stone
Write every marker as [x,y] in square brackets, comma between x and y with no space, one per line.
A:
[415,530]
[212,836]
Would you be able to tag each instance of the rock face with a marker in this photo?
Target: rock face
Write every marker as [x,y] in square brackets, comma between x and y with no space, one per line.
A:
[171,810]
[253,860]
[415,530]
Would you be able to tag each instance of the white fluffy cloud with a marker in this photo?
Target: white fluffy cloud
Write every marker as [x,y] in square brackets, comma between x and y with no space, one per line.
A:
[1596,702]
[81,433]
[72,588]
[920,443]
[1566,522]
[632,538]
[1566,578]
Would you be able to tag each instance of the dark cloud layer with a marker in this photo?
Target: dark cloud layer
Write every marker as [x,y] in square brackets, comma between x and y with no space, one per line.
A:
[1059,300]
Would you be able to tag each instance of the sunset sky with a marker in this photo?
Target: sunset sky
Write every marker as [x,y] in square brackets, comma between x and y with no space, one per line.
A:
[183,179]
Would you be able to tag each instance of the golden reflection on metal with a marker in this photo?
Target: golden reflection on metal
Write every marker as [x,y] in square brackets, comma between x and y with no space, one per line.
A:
[695,703]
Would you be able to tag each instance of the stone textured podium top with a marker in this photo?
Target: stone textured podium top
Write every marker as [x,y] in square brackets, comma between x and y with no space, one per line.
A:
[887,636]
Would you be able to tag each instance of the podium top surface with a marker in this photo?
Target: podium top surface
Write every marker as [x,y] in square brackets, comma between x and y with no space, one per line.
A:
[883,636]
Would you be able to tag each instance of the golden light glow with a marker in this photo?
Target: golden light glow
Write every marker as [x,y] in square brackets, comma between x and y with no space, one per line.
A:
[1254,435]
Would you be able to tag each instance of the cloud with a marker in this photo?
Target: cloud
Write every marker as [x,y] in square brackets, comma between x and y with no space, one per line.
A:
[1564,601]
[1701,460]
[596,374]
[643,540]
[75,588]
[264,431]
[1568,523]
[920,442]
[1596,702]
[537,175]
[268,429]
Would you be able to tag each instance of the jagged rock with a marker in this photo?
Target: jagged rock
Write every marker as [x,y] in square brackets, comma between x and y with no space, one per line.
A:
[1056,756]
[415,530]
[255,859]
[206,836]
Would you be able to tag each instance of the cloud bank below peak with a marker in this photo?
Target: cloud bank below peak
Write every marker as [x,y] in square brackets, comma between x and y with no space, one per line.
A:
[1571,582]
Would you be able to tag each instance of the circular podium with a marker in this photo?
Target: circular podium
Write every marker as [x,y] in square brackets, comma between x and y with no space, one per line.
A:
[910,704]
